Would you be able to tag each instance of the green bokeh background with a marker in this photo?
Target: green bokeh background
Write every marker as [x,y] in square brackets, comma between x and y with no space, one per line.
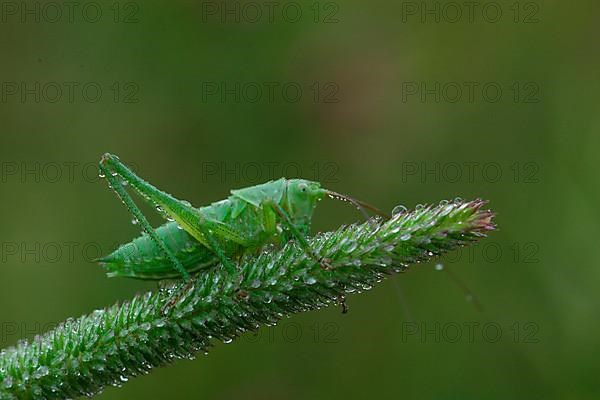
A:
[536,275]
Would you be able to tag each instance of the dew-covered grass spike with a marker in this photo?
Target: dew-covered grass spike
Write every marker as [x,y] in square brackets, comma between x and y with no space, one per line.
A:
[107,347]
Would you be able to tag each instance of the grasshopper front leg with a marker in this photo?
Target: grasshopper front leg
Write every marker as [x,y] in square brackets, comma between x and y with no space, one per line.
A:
[287,221]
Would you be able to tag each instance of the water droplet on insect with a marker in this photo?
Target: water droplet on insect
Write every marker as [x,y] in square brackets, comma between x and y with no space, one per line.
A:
[439,267]
[159,209]
[113,173]
[179,227]
[458,200]
[101,175]
[405,237]
[399,210]
[123,378]
[419,207]
[443,203]
[135,221]
[310,280]
[227,340]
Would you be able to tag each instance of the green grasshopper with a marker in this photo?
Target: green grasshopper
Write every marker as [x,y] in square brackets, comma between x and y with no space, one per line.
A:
[198,238]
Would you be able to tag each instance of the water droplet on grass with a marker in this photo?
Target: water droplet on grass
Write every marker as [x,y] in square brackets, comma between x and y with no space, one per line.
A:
[399,210]
[41,371]
[255,284]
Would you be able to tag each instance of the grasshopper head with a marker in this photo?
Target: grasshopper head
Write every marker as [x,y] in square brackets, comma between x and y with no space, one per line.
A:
[302,197]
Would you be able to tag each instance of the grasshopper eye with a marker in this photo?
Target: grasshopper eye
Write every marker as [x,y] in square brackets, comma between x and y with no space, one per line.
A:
[302,187]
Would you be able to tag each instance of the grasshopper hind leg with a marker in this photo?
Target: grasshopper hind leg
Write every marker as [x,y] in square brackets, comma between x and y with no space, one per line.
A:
[203,229]
[117,186]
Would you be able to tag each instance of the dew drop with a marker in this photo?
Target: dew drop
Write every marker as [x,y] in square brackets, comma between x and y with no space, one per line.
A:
[399,210]
[255,284]
[350,246]
[7,383]
[272,281]
[356,262]
[389,248]
[41,371]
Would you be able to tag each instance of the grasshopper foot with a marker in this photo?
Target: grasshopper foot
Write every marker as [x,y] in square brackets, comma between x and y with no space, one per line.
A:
[326,264]
[175,297]
[342,302]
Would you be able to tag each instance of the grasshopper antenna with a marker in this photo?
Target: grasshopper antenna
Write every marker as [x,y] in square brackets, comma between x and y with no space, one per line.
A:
[360,205]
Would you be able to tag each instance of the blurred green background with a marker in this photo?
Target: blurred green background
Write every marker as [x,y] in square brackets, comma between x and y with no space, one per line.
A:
[393,102]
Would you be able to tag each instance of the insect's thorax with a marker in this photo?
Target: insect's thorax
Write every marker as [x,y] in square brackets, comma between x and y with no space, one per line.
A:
[255,224]
[254,217]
